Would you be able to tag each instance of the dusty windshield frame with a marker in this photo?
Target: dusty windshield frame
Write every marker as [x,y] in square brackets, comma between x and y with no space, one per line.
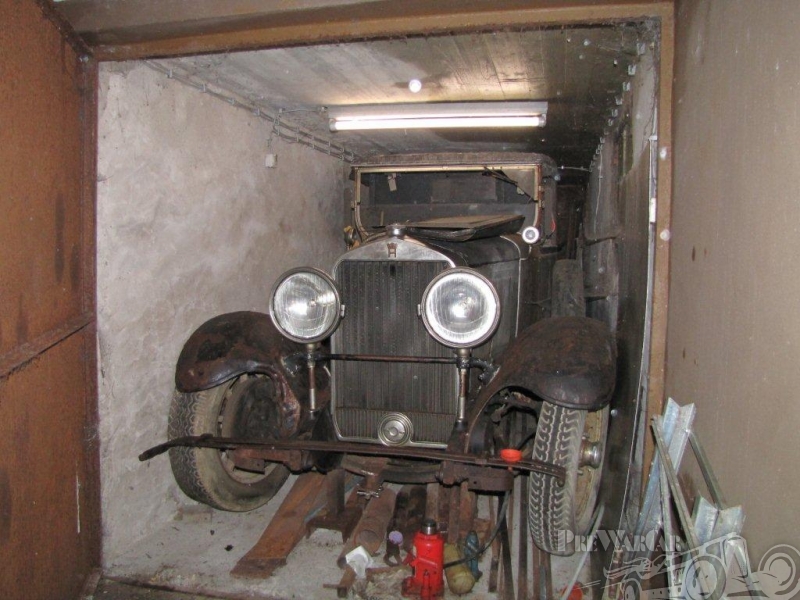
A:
[532,188]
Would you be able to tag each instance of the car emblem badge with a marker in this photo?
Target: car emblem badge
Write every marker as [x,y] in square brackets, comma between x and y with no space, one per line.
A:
[392,248]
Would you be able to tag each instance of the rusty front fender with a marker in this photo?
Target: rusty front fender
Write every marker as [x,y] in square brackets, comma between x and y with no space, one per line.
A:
[241,342]
[568,361]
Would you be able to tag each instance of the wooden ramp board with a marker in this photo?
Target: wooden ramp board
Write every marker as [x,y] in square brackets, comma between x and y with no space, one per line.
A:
[286,528]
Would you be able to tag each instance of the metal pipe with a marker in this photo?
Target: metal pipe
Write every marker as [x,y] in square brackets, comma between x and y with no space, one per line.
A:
[312,381]
[390,359]
[708,474]
[371,528]
[463,384]
[439,360]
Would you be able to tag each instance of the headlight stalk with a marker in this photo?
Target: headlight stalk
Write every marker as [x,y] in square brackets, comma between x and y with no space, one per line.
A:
[311,361]
[463,385]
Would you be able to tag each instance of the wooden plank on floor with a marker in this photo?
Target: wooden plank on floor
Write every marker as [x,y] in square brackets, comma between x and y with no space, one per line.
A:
[286,528]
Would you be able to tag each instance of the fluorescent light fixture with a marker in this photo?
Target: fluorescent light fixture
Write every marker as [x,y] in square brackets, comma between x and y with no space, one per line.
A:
[434,123]
[438,115]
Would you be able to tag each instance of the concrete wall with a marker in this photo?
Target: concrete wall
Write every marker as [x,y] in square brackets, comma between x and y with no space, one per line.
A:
[734,324]
[190,224]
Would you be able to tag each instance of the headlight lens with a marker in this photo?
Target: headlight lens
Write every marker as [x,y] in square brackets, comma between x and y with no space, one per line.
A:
[460,308]
[305,305]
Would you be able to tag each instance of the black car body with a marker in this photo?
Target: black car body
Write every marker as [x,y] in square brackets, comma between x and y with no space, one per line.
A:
[424,346]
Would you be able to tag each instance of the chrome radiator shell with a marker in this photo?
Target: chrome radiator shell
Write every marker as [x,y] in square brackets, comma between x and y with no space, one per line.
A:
[381,286]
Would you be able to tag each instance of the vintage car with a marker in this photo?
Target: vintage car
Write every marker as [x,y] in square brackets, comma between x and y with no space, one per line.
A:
[452,342]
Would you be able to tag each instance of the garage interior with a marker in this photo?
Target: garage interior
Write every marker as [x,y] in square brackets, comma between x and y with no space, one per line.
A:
[164,164]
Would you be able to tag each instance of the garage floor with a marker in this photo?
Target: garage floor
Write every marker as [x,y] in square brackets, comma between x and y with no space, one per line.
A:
[195,555]
[113,590]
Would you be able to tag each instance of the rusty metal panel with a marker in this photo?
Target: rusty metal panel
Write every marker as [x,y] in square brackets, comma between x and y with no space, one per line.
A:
[49,484]
[569,361]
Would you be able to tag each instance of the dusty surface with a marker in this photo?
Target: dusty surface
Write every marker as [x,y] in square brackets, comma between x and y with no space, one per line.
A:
[579,69]
[114,590]
[190,224]
[197,553]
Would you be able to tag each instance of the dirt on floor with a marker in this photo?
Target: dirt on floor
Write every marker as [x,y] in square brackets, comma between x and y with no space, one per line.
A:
[114,590]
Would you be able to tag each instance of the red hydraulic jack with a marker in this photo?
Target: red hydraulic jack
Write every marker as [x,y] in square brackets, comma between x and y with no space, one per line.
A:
[428,579]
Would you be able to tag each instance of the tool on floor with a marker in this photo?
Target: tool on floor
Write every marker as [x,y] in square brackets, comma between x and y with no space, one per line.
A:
[460,579]
[428,563]
[471,547]
[368,533]
[370,530]
[394,541]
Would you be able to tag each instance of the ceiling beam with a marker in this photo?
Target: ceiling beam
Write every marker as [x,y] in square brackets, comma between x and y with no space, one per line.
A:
[137,29]
[97,16]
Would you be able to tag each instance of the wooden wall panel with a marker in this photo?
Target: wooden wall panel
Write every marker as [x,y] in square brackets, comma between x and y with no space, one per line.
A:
[49,485]
[47,534]
[40,103]
[734,326]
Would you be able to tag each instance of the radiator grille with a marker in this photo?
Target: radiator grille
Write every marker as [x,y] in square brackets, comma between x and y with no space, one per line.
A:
[381,299]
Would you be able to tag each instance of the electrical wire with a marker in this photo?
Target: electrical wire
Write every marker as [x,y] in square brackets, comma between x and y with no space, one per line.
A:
[566,168]
[287,133]
[501,517]
[501,176]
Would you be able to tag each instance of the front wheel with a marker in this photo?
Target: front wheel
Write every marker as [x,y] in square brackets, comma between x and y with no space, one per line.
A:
[575,440]
[243,408]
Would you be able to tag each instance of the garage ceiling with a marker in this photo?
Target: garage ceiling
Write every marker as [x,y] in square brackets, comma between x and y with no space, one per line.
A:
[580,71]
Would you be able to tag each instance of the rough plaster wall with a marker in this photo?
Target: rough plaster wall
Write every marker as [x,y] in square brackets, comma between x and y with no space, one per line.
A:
[734,325]
[190,224]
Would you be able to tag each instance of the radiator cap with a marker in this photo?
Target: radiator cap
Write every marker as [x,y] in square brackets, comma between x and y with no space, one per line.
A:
[395,429]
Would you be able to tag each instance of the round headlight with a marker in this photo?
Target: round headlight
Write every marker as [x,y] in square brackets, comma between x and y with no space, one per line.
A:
[305,305]
[460,308]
